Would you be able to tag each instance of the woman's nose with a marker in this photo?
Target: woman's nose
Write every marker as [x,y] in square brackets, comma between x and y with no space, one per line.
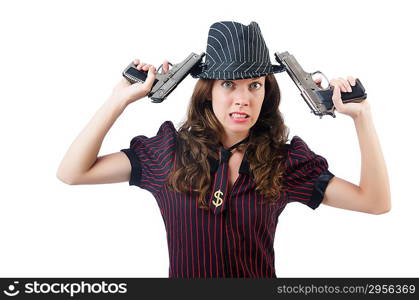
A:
[242,97]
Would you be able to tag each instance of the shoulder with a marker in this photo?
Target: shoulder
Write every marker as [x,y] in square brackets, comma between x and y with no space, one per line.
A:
[167,128]
[165,137]
[299,155]
[297,148]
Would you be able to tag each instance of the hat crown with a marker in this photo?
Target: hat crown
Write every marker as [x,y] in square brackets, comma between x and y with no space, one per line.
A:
[231,41]
[236,51]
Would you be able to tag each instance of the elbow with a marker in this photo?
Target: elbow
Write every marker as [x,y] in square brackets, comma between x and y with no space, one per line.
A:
[383,209]
[64,178]
[380,211]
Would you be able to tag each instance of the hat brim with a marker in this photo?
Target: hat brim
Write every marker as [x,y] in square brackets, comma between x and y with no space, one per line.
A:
[200,72]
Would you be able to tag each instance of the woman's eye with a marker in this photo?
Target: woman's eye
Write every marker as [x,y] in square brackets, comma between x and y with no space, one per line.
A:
[227,84]
[255,85]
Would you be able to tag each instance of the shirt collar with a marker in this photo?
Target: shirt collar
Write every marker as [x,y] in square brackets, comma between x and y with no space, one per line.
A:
[244,166]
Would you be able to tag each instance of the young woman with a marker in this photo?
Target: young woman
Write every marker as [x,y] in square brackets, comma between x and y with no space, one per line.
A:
[222,179]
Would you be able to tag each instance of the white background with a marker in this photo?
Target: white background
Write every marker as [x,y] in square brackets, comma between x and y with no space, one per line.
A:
[59,62]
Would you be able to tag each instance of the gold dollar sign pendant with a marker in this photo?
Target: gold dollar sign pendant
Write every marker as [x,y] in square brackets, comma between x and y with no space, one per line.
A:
[218,200]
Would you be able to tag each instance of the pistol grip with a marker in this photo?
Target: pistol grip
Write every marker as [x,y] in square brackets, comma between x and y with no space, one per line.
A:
[357,95]
[133,75]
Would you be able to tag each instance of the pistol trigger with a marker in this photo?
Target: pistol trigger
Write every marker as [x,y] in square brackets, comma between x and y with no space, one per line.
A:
[321,73]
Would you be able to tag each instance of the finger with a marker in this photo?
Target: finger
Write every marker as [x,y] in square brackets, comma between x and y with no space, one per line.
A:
[352,80]
[136,61]
[337,98]
[337,84]
[146,67]
[345,84]
[151,76]
[140,66]
[165,65]
[317,80]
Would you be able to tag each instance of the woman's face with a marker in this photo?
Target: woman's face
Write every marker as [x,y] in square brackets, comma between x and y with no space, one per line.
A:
[242,96]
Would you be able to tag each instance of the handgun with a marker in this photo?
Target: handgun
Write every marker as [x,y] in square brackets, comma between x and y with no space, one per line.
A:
[165,82]
[317,98]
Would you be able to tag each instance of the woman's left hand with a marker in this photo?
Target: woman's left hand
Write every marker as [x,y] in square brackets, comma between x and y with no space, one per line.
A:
[344,85]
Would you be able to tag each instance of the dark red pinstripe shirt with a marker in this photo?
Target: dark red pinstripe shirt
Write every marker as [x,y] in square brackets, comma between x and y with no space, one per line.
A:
[238,242]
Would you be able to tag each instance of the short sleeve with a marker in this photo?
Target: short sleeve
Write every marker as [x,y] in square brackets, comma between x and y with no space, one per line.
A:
[152,158]
[306,174]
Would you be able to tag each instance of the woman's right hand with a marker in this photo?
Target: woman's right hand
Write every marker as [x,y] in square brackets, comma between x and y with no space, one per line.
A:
[128,93]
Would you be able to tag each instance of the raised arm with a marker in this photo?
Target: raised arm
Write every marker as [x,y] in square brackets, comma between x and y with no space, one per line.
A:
[373,193]
[80,164]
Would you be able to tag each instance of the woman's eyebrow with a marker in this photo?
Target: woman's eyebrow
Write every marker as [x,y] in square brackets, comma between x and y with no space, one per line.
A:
[257,81]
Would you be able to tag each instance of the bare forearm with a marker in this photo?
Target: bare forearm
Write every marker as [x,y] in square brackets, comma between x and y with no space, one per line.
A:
[374,182]
[83,152]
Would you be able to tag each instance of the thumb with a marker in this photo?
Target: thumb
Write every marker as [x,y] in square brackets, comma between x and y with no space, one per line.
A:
[151,76]
[337,98]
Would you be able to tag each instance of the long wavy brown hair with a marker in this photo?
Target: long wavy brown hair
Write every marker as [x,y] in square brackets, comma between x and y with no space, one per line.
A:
[201,133]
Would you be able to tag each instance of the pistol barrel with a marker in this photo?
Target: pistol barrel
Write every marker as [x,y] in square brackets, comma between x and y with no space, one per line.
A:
[303,80]
[168,81]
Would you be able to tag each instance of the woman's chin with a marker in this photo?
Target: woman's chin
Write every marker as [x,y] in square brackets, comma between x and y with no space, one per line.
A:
[237,128]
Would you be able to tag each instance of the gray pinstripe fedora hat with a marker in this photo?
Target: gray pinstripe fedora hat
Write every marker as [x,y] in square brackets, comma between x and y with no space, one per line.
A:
[235,51]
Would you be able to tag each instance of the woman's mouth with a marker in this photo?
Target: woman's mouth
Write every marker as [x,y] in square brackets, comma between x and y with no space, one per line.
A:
[239,118]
